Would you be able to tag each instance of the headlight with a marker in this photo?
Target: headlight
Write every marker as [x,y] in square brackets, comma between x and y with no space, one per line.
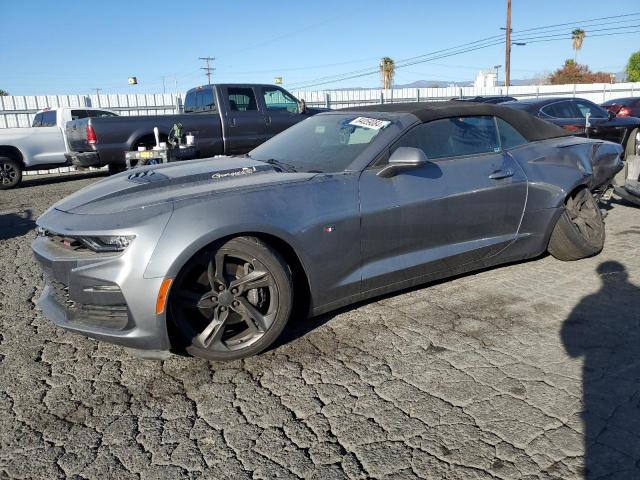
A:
[108,243]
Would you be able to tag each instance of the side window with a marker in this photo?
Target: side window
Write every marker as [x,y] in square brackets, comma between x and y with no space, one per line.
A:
[560,110]
[509,136]
[37,120]
[78,114]
[49,118]
[277,100]
[587,107]
[241,99]
[205,100]
[453,137]
[190,102]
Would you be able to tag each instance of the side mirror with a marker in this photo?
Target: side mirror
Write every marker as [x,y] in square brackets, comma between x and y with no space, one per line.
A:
[404,158]
[302,106]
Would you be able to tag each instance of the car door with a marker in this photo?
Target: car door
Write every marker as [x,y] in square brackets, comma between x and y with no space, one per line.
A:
[46,143]
[463,206]
[244,127]
[281,110]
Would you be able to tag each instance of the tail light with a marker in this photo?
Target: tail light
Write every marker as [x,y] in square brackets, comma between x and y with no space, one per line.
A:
[91,135]
[624,112]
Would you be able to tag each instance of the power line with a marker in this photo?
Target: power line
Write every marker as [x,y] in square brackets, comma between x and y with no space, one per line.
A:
[303,85]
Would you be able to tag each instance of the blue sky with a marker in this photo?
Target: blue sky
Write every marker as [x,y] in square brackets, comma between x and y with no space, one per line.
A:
[64,46]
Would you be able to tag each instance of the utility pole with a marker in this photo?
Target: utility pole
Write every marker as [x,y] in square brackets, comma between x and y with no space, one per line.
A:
[507,54]
[164,90]
[206,67]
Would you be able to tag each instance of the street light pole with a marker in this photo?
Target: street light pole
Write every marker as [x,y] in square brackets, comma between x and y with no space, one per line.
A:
[507,54]
[497,69]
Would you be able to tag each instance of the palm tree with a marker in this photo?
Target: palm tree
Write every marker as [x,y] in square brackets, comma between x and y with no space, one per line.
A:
[3,93]
[578,37]
[387,70]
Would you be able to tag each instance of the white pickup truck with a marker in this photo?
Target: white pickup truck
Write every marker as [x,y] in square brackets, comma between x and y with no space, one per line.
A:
[41,146]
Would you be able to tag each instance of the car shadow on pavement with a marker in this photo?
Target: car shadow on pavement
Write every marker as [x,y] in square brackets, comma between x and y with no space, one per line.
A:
[14,224]
[604,329]
[303,324]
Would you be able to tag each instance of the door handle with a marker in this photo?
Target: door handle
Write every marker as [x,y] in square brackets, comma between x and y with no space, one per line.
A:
[268,120]
[498,174]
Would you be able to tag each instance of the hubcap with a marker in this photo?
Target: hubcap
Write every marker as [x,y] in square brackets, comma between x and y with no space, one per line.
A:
[225,301]
[8,173]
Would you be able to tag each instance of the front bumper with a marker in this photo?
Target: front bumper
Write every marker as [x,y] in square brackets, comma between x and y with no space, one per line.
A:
[102,295]
[84,159]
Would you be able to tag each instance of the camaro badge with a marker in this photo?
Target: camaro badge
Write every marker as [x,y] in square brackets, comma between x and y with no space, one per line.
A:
[235,173]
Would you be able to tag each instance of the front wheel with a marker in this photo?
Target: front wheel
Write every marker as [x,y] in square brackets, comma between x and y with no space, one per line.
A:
[10,173]
[232,301]
[579,232]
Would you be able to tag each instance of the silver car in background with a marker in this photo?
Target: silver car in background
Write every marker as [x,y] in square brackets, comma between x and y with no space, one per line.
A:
[211,255]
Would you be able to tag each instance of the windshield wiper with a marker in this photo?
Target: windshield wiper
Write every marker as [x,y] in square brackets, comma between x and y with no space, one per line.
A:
[284,167]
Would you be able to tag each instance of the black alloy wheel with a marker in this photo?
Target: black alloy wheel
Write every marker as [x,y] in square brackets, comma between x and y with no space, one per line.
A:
[233,301]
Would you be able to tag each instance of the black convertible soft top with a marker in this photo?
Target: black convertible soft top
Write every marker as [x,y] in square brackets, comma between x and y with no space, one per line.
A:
[530,127]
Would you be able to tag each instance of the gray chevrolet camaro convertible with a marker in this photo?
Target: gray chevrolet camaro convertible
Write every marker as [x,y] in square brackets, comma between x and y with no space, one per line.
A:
[210,255]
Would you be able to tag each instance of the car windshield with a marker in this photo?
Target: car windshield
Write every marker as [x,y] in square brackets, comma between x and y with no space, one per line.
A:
[323,143]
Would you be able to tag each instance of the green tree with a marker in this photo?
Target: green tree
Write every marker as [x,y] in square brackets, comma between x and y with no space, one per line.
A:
[577,38]
[387,71]
[633,67]
[573,72]
[3,93]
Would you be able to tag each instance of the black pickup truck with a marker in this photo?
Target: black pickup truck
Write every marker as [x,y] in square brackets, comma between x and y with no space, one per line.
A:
[226,119]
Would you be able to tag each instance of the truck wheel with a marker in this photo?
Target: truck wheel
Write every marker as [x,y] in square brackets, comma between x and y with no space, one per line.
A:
[232,301]
[579,232]
[116,168]
[10,173]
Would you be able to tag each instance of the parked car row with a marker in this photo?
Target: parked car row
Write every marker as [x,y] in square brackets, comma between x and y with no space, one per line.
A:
[223,118]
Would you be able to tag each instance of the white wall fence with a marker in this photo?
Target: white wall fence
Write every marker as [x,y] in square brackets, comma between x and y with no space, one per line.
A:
[597,92]
[18,111]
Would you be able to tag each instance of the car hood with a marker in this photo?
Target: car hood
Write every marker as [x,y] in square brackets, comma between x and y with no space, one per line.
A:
[148,186]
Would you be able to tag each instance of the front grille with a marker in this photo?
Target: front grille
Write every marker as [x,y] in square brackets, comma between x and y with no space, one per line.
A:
[107,316]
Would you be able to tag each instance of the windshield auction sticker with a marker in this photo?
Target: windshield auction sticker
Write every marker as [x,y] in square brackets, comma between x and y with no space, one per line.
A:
[372,123]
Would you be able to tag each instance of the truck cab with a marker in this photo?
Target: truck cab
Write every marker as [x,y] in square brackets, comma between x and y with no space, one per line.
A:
[252,113]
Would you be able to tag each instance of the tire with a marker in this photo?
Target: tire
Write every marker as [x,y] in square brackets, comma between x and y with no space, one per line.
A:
[633,144]
[579,232]
[116,168]
[215,316]
[10,173]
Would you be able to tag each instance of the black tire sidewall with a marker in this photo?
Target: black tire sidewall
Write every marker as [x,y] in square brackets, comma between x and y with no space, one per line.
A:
[597,246]
[282,277]
[17,166]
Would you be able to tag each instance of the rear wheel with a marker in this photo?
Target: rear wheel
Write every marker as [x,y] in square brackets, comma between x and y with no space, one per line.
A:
[579,232]
[10,173]
[232,301]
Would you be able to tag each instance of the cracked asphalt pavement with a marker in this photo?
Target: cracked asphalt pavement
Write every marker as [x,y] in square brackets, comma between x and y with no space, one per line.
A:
[528,371]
